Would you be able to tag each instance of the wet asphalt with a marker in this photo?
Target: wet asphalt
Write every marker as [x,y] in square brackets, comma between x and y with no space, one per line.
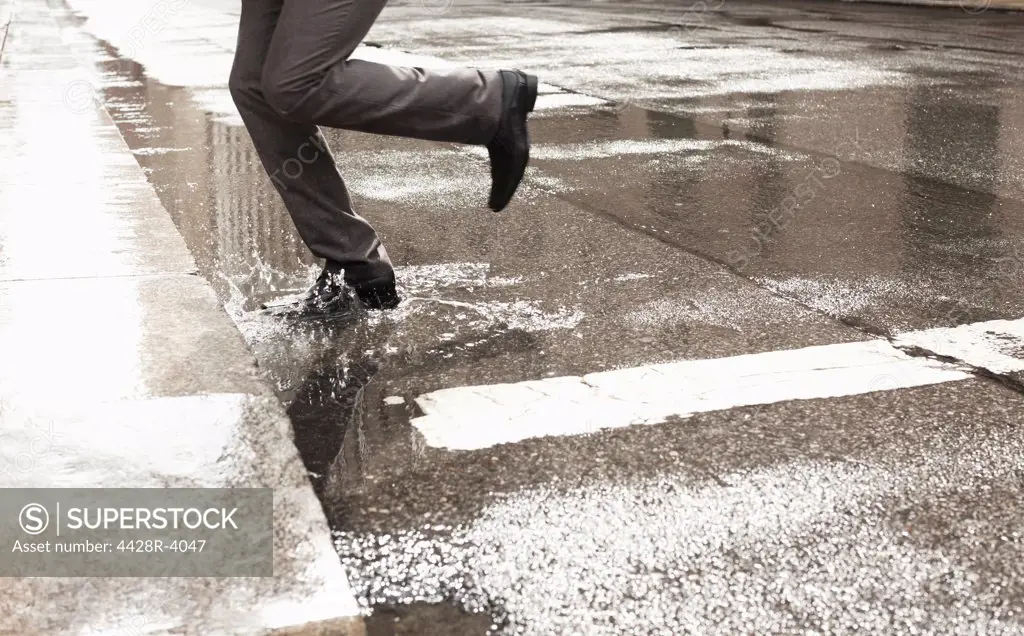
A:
[761,177]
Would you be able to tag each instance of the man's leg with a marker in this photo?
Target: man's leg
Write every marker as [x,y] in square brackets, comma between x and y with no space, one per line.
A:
[298,160]
[308,78]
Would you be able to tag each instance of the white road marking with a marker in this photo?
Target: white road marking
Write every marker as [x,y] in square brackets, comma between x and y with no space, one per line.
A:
[996,345]
[468,418]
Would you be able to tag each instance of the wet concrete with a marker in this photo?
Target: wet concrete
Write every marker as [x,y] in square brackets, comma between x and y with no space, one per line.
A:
[651,230]
[119,368]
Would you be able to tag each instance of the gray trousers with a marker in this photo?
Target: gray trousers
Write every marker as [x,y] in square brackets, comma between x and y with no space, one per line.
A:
[292,74]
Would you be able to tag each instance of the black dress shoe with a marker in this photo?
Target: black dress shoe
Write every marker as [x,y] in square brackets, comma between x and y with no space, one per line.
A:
[510,148]
[327,295]
[378,294]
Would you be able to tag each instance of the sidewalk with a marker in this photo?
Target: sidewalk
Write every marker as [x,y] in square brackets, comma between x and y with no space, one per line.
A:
[121,369]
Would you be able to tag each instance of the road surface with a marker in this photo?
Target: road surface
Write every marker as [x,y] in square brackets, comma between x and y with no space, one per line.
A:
[703,375]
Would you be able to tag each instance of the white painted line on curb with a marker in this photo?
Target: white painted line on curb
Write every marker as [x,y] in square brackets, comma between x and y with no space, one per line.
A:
[469,418]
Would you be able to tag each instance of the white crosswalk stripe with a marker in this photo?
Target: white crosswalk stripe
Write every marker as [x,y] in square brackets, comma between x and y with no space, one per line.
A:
[475,417]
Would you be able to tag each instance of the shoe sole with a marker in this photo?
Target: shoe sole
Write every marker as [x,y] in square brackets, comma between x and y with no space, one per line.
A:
[532,87]
[528,99]
[387,282]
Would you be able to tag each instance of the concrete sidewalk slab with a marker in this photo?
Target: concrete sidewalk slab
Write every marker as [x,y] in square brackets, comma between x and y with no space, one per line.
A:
[96,230]
[226,440]
[120,368]
[132,338]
